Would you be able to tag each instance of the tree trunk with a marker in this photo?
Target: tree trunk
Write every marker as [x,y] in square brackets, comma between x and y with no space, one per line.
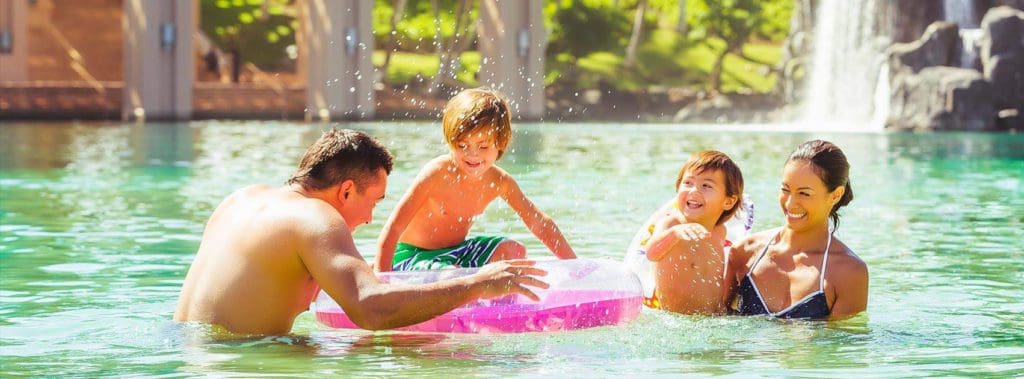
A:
[681,26]
[634,38]
[716,70]
[399,7]
[450,54]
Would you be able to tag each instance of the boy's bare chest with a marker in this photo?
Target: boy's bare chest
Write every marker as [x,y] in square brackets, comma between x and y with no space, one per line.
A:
[462,201]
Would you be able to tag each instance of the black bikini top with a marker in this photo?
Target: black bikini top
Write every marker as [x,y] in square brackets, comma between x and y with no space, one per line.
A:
[812,306]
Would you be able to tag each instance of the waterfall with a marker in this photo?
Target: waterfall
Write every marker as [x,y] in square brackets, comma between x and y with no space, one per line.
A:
[970,42]
[963,13]
[845,67]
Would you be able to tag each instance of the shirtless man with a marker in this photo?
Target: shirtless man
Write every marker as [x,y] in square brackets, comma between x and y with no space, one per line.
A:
[266,249]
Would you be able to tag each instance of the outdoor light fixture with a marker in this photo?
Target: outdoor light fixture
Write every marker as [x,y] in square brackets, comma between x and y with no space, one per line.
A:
[6,42]
[351,39]
[167,32]
[523,42]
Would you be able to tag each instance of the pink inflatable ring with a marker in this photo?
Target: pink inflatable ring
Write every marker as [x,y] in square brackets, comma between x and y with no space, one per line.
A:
[583,293]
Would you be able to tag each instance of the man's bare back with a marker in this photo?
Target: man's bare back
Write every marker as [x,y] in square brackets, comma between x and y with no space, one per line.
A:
[249,252]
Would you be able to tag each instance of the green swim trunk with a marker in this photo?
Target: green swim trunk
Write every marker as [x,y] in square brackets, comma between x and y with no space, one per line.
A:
[473,252]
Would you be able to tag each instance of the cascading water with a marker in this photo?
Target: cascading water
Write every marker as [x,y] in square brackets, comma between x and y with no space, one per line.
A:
[964,14]
[845,67]
[961,12]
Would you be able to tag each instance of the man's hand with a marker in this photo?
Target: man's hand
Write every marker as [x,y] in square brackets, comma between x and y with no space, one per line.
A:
[505,277]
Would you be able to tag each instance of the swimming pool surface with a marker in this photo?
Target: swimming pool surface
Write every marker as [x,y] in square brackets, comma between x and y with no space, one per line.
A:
[99,223]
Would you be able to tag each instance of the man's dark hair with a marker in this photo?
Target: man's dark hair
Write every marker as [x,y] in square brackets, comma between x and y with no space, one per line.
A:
[340,155]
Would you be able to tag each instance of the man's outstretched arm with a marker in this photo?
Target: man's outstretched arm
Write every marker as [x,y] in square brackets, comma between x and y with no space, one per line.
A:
[332,259]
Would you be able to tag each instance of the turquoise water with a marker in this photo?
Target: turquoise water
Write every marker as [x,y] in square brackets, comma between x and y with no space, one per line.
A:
[100,222]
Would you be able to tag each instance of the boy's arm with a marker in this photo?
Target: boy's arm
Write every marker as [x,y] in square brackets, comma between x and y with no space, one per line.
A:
[404,212]
[330,255]
[539,223]
[669,232]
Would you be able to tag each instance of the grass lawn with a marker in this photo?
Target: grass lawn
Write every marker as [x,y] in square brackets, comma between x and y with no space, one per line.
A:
[664,60]
[404,66]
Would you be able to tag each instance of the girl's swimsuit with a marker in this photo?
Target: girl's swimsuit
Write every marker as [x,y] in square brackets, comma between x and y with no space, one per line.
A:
[812,306]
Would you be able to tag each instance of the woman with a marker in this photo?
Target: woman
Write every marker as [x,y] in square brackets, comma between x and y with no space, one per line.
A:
[801,270]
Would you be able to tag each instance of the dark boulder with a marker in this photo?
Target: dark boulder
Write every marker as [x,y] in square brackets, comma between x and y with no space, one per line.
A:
[942,98]
[939,46]
[1002,56]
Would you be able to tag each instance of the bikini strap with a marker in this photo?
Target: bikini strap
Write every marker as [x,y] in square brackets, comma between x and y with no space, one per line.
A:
[824,263]
[766,246]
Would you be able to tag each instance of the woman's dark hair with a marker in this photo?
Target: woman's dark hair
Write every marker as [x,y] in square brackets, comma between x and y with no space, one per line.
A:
[340,155]
[831,166]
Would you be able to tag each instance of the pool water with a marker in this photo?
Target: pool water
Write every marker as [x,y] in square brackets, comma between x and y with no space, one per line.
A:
[99,223]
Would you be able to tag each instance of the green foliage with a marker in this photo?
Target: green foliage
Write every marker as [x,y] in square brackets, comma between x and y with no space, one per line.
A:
[260,33]
[587,39]
[667,59]
[405,66]
[730,20]
[739,19]
[584,27]
[416,30]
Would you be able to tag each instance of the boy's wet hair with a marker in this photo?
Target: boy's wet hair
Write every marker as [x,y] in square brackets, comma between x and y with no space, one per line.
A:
[702,161]
[340,155]
[830,164]
[478,110]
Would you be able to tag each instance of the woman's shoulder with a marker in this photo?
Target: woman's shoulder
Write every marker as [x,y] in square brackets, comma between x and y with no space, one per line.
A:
[843,261]
[758,239]
[745,248]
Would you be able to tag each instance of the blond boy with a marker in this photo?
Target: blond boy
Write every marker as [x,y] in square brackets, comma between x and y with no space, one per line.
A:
[430,224]
[688,244]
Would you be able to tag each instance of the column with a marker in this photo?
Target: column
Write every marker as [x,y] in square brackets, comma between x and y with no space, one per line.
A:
[13,40]
[158,59]
[336,48]
[512,43]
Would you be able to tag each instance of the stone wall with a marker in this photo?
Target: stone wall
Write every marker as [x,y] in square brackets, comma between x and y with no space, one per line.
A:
[928,91]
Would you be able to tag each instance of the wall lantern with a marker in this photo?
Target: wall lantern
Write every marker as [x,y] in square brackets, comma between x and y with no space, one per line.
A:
[351,40]
[6,42]
[523,42]
[167,35]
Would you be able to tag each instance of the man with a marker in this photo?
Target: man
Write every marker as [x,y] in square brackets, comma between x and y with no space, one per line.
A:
[266,250]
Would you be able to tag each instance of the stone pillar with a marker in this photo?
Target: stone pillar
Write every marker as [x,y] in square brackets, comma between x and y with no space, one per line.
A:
[512,43]
[336,48]
[13,40]
[158,59]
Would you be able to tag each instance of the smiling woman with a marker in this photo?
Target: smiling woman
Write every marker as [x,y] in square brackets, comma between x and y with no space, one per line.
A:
[791,263]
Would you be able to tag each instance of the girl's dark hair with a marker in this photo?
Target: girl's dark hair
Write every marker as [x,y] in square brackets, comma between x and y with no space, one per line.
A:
[831,166]
[340,155]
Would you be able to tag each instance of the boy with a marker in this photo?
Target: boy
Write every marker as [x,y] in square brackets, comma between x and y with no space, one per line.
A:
[688,244]
[429,226]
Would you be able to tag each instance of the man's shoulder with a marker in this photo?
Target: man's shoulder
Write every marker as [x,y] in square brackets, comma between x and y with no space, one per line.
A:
[287,208]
